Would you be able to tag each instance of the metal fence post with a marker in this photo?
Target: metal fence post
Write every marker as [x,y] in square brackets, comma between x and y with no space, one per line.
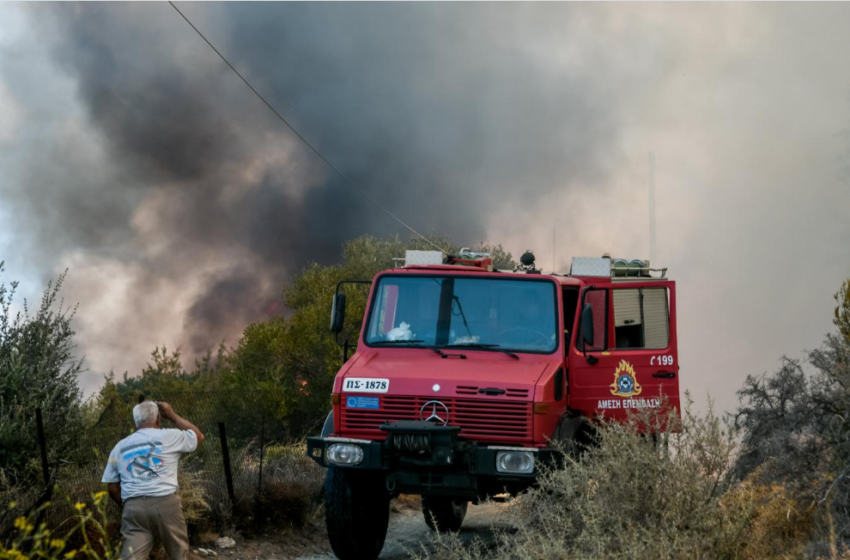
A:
[262,449]
[42,444]
[225,454]
[48,487]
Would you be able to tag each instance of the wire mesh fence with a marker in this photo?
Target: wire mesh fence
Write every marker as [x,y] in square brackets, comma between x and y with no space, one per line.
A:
[248,465]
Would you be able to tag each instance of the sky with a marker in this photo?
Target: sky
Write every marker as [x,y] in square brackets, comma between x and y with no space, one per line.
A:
[131,156]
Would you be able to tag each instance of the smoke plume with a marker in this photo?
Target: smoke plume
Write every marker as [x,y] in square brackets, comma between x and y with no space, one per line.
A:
[135,157]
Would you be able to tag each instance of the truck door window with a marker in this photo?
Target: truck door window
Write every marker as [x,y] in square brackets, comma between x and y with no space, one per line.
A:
[641,318]
[598,301]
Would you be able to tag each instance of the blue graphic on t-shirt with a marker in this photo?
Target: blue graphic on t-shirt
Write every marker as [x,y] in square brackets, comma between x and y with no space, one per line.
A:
[144,463]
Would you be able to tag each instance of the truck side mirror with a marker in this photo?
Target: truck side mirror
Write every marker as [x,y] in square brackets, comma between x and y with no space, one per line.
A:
[338,313]
[586,330]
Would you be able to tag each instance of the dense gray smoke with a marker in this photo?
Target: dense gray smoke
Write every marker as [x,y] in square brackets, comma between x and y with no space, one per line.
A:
[131,154]
[439,112]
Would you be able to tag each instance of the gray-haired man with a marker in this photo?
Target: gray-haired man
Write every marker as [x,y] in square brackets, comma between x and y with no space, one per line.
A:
[142,477]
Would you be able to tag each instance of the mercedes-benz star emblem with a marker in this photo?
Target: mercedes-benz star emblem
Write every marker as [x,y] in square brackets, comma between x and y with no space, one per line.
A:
[434,411]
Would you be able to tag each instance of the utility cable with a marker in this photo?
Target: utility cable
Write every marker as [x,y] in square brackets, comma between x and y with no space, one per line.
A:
[298,134]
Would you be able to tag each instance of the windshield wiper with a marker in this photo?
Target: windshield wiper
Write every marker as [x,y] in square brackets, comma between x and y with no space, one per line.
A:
[490,347]
[411,342]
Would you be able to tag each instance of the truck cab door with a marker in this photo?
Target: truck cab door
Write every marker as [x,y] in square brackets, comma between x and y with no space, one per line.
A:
[634,365]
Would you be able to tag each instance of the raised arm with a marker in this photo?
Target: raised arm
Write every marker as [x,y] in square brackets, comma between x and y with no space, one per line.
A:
[181,423]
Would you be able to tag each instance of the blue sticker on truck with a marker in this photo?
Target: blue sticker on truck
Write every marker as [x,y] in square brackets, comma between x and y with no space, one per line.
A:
[362,402]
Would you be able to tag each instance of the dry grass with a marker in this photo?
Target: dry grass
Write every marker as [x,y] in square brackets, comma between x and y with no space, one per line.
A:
[196,507]
[406,503]
[766,520]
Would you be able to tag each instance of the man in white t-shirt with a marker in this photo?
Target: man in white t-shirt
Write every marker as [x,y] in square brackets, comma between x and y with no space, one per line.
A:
[142,479]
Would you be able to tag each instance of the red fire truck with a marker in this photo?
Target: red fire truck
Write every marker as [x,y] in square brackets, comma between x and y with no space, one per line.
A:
[464,376]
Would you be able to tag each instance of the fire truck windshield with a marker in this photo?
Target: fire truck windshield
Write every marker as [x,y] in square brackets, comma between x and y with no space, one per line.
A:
[451,311]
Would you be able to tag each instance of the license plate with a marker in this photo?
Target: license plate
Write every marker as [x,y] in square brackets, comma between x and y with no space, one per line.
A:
[365,385]
[362,402]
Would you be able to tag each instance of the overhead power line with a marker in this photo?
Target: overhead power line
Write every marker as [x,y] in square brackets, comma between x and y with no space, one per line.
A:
[300,137]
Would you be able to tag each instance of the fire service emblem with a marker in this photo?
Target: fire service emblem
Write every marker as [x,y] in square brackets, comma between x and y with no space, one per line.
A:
[625,383]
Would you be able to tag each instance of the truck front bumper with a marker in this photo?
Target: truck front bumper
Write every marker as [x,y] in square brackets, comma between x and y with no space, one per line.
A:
[418,458]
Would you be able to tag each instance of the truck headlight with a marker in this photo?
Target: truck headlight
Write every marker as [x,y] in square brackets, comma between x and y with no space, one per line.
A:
[345,454]
[515,462]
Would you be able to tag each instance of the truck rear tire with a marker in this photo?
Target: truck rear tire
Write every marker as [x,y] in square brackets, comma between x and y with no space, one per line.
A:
[357,513]
[574,435]
[444,514]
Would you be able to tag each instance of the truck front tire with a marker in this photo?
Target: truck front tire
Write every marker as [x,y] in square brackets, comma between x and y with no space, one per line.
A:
[357,513]
[444,514]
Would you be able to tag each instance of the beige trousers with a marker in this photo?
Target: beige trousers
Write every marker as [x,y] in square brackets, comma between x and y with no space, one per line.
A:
[147,519]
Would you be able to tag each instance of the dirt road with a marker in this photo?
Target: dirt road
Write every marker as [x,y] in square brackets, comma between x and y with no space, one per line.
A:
[408,532]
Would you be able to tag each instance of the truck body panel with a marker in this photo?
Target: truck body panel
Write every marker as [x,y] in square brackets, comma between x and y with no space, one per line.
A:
[416,376]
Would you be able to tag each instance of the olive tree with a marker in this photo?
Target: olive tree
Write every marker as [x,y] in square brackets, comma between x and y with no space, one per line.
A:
[795,425]
[38,370]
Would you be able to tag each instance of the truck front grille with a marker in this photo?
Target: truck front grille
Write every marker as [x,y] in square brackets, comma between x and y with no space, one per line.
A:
[478,419]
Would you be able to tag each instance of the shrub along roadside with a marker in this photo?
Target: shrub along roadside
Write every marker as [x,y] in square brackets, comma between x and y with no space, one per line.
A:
[633,496]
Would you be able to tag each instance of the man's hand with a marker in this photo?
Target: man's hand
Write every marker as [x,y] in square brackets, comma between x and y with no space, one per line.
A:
[166,411]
